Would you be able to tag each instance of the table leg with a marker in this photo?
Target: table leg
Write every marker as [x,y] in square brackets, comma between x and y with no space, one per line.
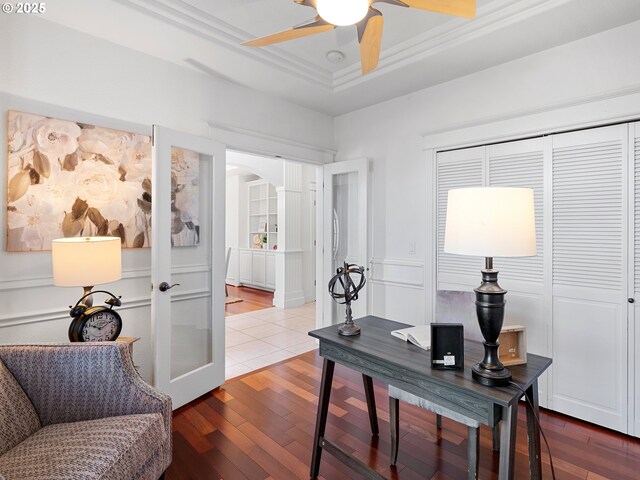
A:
[321,419]
[371,403]
[394,422]
[508,441]
[473,452]
[495,437]
[533,432]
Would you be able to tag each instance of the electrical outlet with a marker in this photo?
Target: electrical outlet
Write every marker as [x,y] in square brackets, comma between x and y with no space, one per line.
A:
[412,248]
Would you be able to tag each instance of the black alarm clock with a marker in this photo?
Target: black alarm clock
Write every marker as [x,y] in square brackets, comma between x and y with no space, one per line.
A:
[95,324]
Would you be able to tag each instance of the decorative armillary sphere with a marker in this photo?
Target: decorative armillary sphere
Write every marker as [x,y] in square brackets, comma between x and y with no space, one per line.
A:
[344,290]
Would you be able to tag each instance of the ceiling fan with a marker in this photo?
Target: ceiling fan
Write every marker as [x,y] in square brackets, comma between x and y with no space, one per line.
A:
[368,20]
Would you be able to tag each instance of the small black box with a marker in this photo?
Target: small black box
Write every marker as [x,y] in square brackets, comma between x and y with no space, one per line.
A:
[447,346]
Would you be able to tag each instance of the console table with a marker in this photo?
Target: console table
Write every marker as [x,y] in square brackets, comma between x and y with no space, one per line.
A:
[377,354]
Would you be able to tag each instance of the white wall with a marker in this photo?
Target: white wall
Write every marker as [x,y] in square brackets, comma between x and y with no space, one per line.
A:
[390,134]
[266,167]
[51,70]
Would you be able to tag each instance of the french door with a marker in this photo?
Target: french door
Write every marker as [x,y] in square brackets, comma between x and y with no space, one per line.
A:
[188,264]
[345,217]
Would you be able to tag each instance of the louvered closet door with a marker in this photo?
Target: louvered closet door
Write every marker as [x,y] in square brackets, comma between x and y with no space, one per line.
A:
[457,169]
[633,309]
[521,164]
[590,275]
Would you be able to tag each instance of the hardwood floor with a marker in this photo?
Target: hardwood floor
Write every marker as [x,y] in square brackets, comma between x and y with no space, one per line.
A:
[260,426]
[252,299]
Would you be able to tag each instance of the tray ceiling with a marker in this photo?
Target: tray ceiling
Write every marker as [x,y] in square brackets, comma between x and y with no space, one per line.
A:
[419,48]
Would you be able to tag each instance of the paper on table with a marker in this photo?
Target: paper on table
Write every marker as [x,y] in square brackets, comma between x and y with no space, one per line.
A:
[420,335]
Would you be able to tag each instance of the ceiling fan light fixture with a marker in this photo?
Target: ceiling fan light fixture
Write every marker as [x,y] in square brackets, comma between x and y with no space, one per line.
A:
[342,12]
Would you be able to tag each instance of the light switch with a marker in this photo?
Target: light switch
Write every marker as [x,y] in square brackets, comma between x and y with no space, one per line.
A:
[412,248]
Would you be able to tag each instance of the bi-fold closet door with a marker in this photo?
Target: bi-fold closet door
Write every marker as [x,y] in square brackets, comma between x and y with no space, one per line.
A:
[515,164]
[590,275]
[633,286]
[574,296]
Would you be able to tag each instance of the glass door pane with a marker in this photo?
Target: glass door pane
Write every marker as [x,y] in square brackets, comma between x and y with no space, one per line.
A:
[191,316]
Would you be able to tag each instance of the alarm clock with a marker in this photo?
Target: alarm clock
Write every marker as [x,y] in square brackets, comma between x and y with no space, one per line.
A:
[95,324]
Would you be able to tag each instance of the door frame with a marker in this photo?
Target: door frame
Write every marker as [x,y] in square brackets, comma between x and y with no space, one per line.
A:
[322,265]
[258,143]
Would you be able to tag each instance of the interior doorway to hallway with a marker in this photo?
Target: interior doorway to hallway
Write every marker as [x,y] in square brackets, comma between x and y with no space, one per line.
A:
[271,260]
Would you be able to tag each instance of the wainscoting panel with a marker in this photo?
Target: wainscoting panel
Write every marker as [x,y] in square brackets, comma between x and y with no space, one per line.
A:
[397,290]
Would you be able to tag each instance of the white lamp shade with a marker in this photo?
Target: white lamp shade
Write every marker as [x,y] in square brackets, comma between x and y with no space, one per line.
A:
[491,222]
[86,261]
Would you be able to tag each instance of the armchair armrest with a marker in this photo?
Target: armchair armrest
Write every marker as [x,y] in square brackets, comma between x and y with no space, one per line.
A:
[72,382]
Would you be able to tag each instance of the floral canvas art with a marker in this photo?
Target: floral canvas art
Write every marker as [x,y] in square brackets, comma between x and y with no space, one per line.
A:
[68,179]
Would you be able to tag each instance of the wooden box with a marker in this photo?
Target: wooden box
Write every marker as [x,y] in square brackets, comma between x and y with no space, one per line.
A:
[513,345]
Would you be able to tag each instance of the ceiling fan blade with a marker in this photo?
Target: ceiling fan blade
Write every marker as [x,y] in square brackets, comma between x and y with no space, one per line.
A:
[458,8]
[370,38]
[318,25]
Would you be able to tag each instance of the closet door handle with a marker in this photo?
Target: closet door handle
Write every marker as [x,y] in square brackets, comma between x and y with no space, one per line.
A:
[631,300]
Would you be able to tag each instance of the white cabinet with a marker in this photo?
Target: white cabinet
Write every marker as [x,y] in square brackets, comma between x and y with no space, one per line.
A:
[258,268]
[245,257]
[258,262]
[270,270]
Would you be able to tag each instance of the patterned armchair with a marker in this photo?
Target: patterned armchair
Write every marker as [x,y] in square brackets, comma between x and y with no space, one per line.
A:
[80,411]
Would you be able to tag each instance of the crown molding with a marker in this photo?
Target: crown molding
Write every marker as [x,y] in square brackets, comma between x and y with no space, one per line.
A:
[492,17]
[198,22]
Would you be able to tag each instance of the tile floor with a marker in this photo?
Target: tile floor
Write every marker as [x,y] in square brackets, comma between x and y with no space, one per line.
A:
[260,338]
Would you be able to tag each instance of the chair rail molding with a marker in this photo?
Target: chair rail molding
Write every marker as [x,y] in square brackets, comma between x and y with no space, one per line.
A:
[397,272]
[54,314]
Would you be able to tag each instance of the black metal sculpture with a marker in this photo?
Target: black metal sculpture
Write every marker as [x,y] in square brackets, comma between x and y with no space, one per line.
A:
[348,294]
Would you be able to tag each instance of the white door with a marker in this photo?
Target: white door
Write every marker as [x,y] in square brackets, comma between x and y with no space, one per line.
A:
[345,216]
[188,250]
[312,237]
[633,300]
[589,238]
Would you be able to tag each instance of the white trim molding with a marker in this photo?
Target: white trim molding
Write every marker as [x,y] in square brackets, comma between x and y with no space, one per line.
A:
[250,141]
[397,272]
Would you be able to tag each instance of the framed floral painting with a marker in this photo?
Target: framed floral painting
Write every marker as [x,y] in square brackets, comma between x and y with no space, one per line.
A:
[68,179]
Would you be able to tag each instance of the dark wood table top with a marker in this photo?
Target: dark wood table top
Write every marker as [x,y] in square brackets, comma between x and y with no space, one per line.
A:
[376,342]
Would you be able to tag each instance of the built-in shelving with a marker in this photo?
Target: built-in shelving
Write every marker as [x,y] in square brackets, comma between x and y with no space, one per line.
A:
[263,215]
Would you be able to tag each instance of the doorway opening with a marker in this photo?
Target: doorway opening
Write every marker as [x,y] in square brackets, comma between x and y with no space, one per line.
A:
[270,260]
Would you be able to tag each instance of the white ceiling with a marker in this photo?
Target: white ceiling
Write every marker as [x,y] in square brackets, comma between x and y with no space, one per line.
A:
[419,48]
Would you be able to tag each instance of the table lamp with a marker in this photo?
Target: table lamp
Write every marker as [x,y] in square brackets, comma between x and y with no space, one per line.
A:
[490,222]
[86,262]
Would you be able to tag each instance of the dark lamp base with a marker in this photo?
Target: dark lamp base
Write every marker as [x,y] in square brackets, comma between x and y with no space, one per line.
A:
[349,329]
[491,378]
